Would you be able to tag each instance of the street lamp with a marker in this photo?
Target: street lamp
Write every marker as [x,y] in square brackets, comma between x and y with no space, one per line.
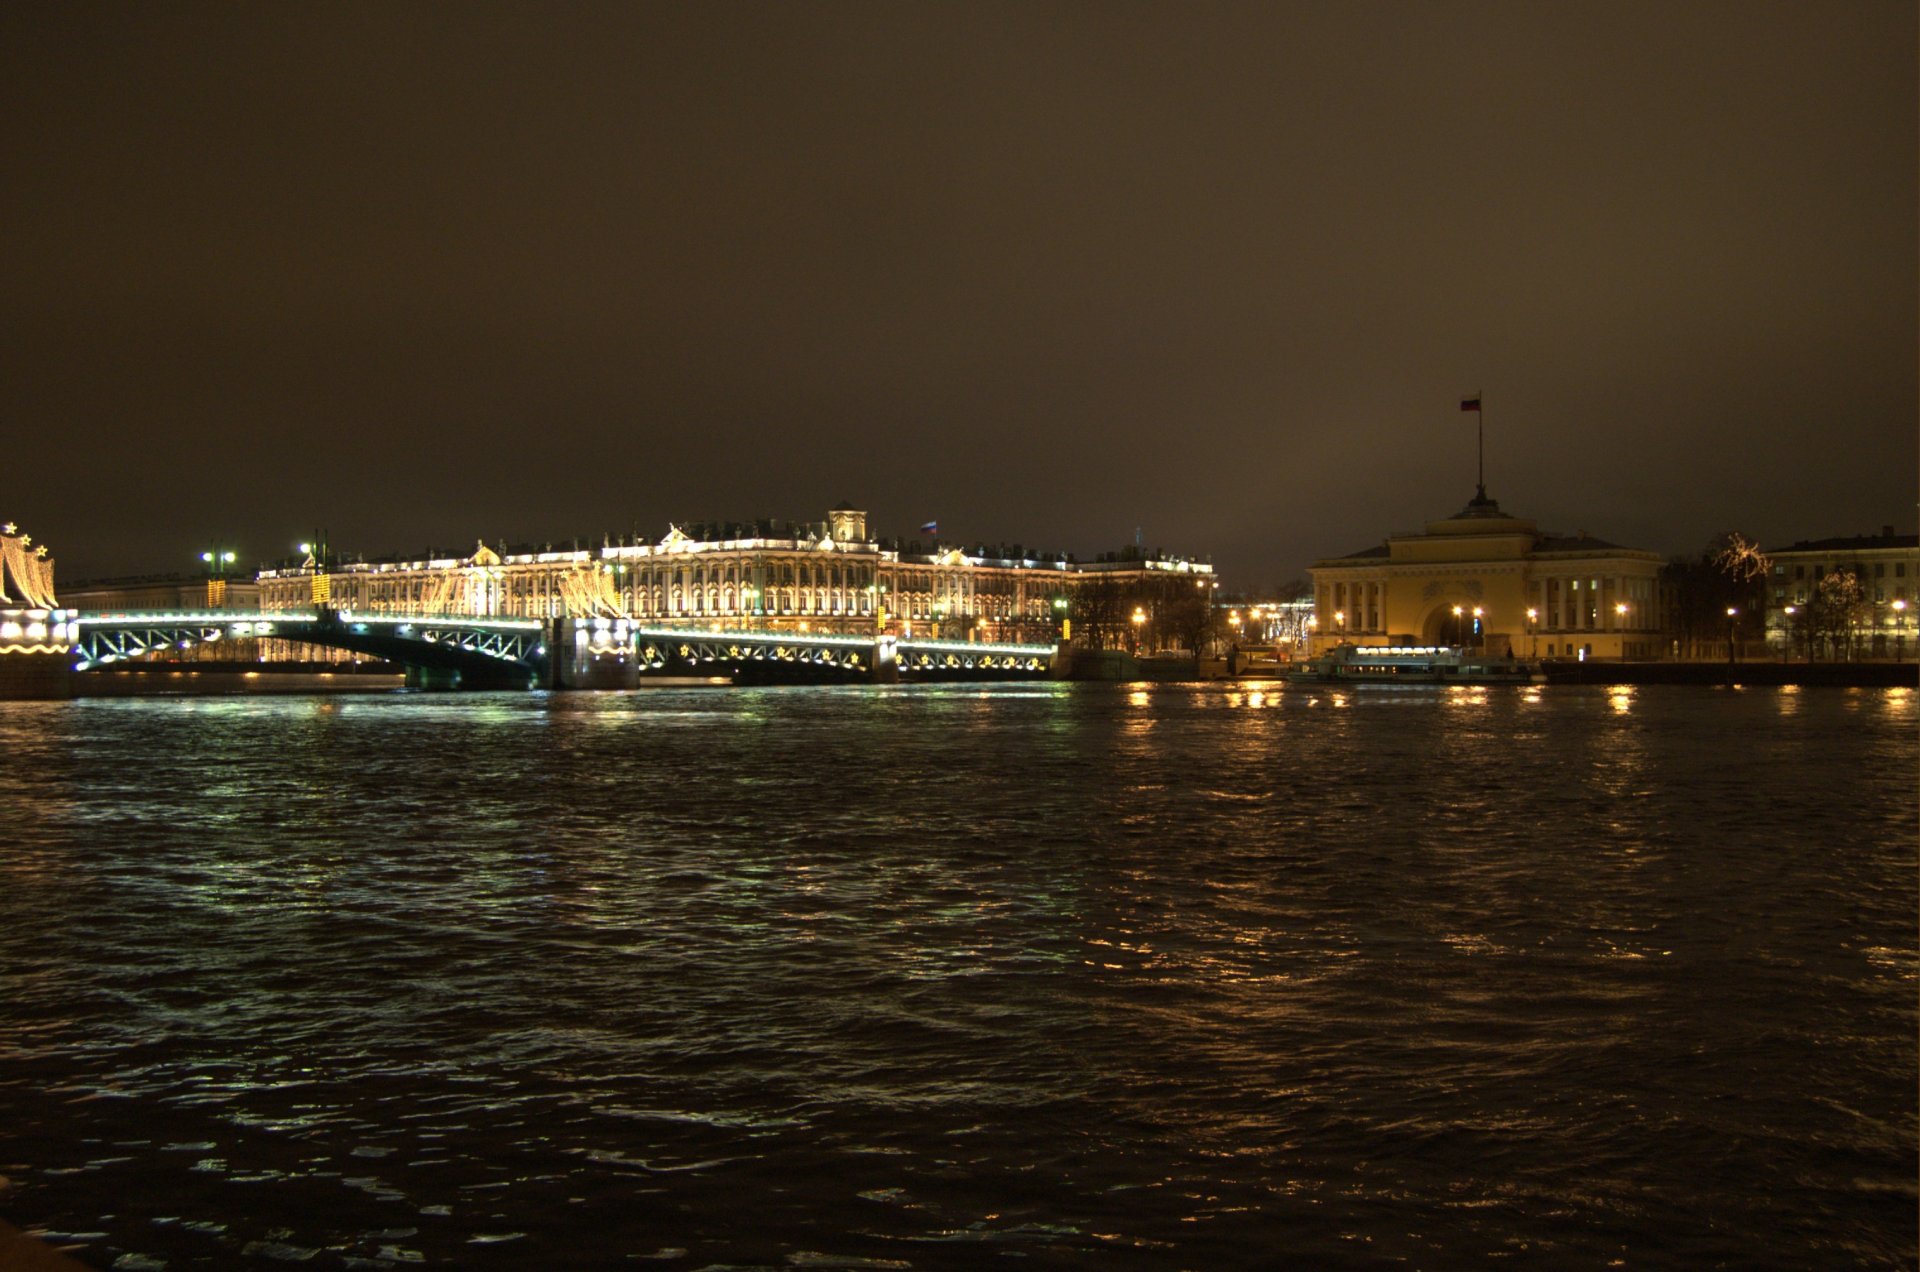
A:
[1477,638]
[1786,632]
[1733,612]
[1139,624]
[321,588]
[1533,643]
[1457,612]
[1620,625]
[1900,630]
[217,560]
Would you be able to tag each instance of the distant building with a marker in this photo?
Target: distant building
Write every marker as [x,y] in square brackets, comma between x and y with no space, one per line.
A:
[1888,567]
[179,593]
[829,576]
[1482,576]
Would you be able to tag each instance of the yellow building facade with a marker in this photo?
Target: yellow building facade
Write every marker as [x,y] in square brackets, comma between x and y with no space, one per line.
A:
[1484,577]
[827,577]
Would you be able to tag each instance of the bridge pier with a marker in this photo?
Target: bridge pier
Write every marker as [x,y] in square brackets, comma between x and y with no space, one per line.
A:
[437,678]
[884,668]
[35,676]
[590,654]
[36,660]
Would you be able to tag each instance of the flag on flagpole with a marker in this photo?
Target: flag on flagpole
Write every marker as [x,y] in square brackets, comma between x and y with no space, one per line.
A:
[930,527]
[1470,404]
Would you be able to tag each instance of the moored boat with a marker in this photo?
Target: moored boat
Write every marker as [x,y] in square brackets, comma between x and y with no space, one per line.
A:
[1413,665]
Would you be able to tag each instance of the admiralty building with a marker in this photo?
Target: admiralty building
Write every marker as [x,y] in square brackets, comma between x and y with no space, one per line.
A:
[824,577]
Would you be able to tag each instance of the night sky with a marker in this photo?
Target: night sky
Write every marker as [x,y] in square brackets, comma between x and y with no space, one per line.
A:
[423,274]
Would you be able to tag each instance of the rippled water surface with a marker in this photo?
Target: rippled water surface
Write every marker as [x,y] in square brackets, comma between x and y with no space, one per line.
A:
[944,977]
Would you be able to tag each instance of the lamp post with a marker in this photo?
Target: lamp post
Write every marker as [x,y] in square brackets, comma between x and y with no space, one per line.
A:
[1139,625]
[1479,639]
[1733,656]
[1457,612]
[316,560]
[1533,640]
[1899,630]
[1786,632]
[217,560]
[1340,617]
[1620,625]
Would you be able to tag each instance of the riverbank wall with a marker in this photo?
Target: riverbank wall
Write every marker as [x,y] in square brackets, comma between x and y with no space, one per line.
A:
[1872,675]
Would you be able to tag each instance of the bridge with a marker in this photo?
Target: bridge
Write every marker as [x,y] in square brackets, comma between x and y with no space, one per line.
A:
[490,652]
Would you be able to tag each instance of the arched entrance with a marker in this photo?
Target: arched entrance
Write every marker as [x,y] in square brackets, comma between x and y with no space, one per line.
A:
[1445,627]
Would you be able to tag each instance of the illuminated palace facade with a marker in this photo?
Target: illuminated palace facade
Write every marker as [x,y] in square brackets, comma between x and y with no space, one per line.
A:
[828,577]
[1485,577]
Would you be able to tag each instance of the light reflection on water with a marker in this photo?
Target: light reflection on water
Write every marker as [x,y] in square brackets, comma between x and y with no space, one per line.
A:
[1088,975]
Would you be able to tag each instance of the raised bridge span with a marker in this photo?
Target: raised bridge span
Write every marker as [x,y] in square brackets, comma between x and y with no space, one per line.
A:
[453,651]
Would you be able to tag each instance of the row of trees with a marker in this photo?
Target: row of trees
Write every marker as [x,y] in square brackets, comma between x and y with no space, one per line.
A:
[1721,596]
[1716,597]
[1143,611]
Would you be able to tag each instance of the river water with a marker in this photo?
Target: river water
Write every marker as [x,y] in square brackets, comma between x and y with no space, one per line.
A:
[1033,976]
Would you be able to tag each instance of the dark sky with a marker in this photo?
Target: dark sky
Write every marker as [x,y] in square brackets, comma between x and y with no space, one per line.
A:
[1045,272]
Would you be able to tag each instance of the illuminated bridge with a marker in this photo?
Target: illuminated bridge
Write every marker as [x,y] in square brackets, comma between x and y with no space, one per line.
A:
[441,651]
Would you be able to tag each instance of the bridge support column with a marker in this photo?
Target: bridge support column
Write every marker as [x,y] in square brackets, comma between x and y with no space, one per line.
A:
[584,654]
[1060,666]
[885,667]
[437,678]
[35,676]
[36,660]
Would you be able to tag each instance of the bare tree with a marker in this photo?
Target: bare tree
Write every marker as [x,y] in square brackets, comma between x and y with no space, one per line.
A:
[1184,614]
[1739,558]
[1729,574]
[1099,612]
[1840,607]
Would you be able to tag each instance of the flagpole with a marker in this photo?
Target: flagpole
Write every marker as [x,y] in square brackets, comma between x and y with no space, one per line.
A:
[1480,430]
